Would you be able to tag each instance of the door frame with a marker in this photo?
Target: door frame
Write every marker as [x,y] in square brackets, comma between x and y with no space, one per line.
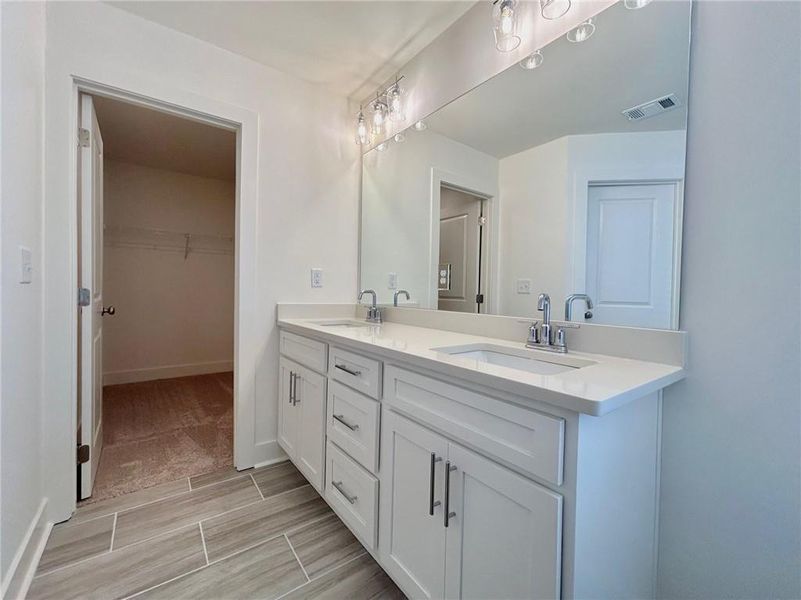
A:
[474,187]
[61,246]
[577,220]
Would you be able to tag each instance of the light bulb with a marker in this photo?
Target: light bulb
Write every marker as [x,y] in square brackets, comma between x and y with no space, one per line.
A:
[532,61]
[362,135]
[506,20]
[582,32]
[420,126]
[399,137]
[395,100]
[554,9]
[379,117]
[635,4]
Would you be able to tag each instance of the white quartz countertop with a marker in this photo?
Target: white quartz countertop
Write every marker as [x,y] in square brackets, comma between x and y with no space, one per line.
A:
[597,389]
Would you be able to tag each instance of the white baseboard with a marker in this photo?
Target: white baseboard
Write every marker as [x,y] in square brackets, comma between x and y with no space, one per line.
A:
[166,372]
[26,559]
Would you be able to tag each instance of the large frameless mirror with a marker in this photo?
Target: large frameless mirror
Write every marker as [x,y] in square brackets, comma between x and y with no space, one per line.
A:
[562,175]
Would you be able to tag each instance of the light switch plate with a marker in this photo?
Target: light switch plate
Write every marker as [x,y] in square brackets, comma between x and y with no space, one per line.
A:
[26,265]
[317,278]
[392,281]
[524,286]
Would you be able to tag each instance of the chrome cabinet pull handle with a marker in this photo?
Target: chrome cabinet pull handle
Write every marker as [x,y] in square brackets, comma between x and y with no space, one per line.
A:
[348,371]
[291,387]
[341,419]
[295,399]
[338,486]
[431,504]
[448,514]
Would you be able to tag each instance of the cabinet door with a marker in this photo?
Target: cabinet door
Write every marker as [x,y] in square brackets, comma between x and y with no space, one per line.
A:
[505,538]
[310,408]
[412,541]
[287,413]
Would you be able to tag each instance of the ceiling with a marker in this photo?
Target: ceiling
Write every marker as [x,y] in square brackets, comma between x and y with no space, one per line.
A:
[634,56]
[155,139]
[353,47]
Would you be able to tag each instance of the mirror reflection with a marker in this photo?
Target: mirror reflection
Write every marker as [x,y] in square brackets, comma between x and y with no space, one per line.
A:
[562,175]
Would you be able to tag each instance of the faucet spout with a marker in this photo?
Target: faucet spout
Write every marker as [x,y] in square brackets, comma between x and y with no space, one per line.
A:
[398,293]
[569,305]
[373,313]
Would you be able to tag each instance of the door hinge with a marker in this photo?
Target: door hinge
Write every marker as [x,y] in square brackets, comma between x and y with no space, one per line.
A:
[84,297]
[479,298]
[83,454]
[83,137]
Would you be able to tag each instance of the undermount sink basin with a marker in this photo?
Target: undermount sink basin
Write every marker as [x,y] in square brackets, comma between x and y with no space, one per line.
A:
[532,361]
[341,323]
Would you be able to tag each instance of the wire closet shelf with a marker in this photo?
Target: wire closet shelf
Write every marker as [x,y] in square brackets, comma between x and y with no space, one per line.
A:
[163,240]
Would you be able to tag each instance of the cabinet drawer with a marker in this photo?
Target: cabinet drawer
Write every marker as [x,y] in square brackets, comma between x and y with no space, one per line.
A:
[528,440]
[353,493]
[353,421]
[308,352]
[359,372]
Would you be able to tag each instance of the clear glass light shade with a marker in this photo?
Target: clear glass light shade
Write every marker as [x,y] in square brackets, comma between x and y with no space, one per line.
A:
[362,133]
[554,9]
[395,103]
[420,126]
[505,20]
[533,60]
[379,117]
[381,147]
[399,137]
[582,32]
[635,4]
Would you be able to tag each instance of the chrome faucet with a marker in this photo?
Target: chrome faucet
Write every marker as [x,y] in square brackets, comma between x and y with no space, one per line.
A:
[542,336]
[569,306]
[398,293]
[373,313]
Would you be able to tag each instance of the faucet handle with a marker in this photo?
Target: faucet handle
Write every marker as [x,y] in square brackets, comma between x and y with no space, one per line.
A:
[533,333]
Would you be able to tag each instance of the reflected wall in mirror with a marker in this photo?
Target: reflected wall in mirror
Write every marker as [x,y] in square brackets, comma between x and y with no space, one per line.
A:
[550,180]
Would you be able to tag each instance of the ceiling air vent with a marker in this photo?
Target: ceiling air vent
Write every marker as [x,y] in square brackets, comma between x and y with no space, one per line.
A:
[652,108]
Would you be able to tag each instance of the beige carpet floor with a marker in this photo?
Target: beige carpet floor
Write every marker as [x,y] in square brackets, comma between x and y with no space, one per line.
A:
[159,431]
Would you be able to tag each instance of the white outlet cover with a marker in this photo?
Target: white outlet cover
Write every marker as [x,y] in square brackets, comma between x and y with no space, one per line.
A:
[26,265]
[524,286]
[317,278]
[392,281]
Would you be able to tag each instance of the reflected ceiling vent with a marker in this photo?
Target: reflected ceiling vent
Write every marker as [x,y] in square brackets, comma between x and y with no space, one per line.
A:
[652,108]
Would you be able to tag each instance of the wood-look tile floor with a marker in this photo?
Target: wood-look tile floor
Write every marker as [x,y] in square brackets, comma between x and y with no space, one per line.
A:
[263,533]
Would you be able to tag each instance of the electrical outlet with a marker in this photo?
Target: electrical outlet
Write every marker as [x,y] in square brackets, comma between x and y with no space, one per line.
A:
[317,278]
[392,281]
[524,286]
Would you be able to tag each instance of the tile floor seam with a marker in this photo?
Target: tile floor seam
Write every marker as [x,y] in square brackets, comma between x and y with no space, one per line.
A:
[203,541]
[297,558]
[322,574]
[113,531]
[129,508]
[253,479]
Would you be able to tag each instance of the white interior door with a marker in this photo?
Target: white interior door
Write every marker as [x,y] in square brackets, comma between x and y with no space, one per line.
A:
[630,253]
[91,278]
[460,247]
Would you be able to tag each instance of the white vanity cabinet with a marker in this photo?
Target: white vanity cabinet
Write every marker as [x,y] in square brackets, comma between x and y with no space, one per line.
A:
[301,418]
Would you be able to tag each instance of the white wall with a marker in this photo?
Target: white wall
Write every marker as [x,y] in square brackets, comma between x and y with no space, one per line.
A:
[397,209]
[538,190]
[730,518]
[23,47]
[307,188]
[174,316]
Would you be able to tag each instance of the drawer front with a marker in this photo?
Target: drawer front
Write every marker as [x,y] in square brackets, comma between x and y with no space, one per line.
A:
[359,372]
[308,352]
[353,494]
[528,440]
[353,424]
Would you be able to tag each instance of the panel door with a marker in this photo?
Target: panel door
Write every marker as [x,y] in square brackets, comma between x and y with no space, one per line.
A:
[460,247]
[412,540]
[630,254]
[287,411]
[505,538]
[309,405]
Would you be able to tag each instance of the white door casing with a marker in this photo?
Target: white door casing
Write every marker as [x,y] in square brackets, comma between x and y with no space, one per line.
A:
[631,253]
[91,278]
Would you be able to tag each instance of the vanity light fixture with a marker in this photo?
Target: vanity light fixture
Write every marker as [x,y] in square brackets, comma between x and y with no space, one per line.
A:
[582,32]
[420,126]
[635,4]
[533,60]
[505,25]
[399,137]
[554,9]
[362,133]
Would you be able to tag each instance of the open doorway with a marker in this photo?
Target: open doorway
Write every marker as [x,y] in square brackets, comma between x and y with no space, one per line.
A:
[157,202]
[462,251]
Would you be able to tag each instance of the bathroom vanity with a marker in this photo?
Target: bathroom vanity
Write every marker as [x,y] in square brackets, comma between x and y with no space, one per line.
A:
[472,467]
